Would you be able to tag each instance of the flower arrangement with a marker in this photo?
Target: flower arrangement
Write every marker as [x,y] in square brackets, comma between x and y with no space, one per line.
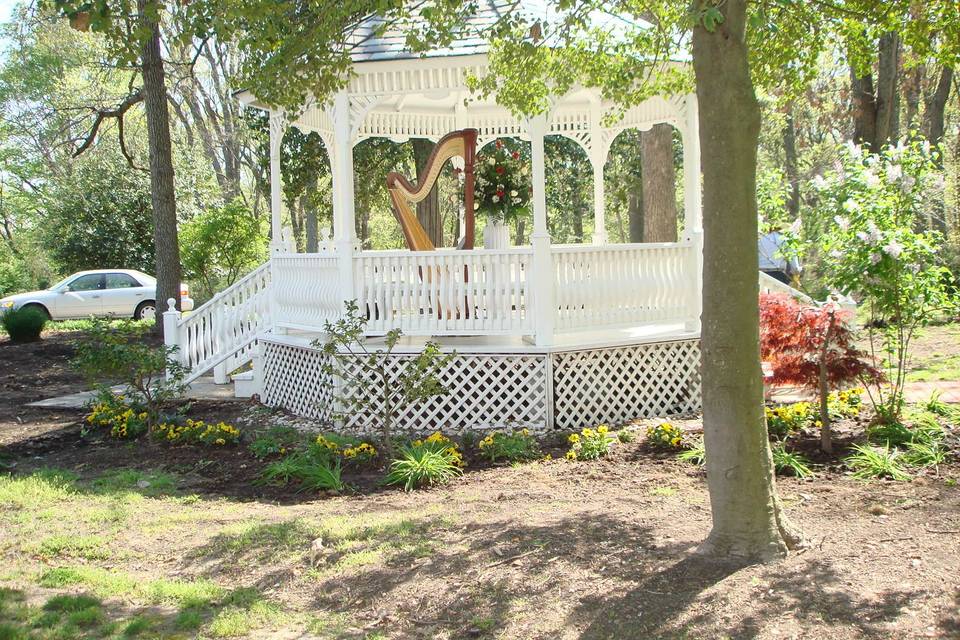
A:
[665,436]
[590,444]
[196,432]
[502,182]
[513,446]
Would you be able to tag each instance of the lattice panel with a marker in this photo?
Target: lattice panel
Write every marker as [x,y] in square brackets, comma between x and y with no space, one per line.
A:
[486,391]
[293,379]
[619,384]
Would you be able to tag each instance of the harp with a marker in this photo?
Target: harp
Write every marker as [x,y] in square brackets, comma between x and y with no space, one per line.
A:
[403,194]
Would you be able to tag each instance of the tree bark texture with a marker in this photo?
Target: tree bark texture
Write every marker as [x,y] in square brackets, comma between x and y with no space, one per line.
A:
[635,213]
[161,161]
[428,209]
[864,108]
[888,94]
[748,520]
[659,184]
[936,105]
[790,165]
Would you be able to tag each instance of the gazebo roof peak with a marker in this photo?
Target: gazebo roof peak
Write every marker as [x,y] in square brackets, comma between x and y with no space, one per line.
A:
[368,44]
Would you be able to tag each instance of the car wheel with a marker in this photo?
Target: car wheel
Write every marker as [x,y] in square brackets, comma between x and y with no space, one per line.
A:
[39,307]
[146,309]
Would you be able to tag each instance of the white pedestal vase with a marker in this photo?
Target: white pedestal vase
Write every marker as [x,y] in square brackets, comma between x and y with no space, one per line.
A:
[496,235]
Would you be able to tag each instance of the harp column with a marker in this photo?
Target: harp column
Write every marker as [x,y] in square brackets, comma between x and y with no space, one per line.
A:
[544,296]
[689,125]
[344,227]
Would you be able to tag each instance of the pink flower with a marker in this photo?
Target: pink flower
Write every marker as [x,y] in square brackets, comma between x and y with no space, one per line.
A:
[499,169]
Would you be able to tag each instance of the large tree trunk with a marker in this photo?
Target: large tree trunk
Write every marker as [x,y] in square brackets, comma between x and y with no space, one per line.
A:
[748,520]
[428,209]
[659,184]
[790,165]
[162,192]
[936,105]
[635,213]
[912,91]
[864,108]
[888,96]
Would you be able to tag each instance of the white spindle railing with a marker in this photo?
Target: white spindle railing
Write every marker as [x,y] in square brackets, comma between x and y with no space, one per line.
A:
[306,290]
[221,331]
[445,292]
[610,285]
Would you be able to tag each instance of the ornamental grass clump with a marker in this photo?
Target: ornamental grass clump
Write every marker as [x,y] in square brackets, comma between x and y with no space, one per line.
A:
[665,436]
[433,461]
[513,446]
[695,454]
[876,462]
[590,444]
[313,473]
[787,463]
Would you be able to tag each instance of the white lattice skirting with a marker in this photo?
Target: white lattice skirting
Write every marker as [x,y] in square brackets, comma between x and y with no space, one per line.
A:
[541,391]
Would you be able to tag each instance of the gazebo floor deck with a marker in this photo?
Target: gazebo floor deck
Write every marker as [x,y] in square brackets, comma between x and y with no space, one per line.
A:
[565,341]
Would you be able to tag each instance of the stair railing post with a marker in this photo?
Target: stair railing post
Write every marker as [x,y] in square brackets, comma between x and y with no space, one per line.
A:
[171,331]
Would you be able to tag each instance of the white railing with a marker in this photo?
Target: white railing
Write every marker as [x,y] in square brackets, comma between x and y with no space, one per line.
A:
[306,289]
[609,285]
[445,292]
[769,284]
[221,331]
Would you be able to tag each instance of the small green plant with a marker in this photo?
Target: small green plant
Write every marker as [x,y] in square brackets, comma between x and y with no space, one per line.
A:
[889,433]
[122,353]
[590,444]
[513,446]
[117,413]
[876,462]
[24,324]
[787,463]
[626,435]
[937,406]
[312,472]
[695,454]
[926,454]
[424,463]
[665,436]
[371,380]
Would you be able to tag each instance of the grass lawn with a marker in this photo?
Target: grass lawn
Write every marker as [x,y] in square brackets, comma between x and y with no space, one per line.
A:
[936,354]
[109,539]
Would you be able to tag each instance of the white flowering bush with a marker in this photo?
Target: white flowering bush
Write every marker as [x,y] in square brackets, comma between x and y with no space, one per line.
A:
[874,248]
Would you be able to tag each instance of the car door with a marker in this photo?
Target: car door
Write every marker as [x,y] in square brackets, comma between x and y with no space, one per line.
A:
[81,297]
[121,294]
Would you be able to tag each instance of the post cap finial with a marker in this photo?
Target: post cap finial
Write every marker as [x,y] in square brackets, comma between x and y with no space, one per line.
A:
[171,304]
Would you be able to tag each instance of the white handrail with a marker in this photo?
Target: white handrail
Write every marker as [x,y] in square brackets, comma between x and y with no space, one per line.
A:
[222,330]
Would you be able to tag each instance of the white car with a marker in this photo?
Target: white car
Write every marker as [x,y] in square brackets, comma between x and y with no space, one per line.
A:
[102,293]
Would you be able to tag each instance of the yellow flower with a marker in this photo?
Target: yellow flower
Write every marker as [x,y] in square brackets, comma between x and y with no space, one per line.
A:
[602,429]
[571,455]
[220,441]
[573,437]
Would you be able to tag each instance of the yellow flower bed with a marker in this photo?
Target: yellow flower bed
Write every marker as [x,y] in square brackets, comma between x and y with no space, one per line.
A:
[197,432]
[590,444]
[665,436]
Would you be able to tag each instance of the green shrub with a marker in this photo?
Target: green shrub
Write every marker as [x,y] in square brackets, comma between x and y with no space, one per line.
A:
[24,324]
[788,463]
[125,419]
[665,436]
[695,454]
[625,436]
[590,444]
[515,446]
[926,454]
[424,463]
[275,441]
[876,462]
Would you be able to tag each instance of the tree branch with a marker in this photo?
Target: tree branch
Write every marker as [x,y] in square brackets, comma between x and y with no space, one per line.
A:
[103,114]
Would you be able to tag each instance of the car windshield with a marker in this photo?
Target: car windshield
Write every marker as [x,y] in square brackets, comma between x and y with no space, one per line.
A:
[62,282]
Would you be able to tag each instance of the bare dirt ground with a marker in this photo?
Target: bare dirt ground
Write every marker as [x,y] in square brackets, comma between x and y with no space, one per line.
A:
[542,550]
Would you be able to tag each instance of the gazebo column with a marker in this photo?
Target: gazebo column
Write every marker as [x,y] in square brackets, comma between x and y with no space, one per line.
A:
[692,205]
[544,296]
[598,158]
[344,227]
[278,126]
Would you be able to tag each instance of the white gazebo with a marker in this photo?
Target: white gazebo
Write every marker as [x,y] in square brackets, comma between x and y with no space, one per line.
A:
[547,335]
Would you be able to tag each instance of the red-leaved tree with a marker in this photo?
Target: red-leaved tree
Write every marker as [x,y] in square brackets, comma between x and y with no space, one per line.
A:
[811,346]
